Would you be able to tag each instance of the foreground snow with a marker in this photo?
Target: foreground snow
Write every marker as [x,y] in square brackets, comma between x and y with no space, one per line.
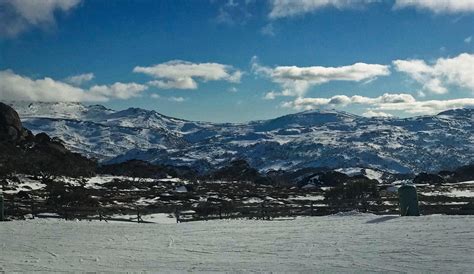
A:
[334,243]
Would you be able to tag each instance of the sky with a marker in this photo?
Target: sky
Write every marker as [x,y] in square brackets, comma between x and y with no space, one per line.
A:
[241,60]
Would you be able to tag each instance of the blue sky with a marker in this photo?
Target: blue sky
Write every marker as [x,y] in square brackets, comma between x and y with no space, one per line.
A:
[241,60]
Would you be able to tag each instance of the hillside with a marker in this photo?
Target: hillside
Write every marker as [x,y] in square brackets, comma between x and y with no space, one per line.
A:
[319,138]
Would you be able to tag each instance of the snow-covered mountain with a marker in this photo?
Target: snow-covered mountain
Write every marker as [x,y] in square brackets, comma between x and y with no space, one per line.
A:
[320,138]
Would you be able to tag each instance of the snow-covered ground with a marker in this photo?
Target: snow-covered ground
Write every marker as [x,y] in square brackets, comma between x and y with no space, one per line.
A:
[357,243]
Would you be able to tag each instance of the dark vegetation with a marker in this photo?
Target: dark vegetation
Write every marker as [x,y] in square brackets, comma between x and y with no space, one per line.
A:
[136,169]
[357,191]
[238,170]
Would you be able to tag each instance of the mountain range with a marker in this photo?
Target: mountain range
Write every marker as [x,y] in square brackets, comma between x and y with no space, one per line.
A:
[317,138]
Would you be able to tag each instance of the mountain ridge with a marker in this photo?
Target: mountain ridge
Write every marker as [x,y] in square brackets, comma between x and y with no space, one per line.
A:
[317,138]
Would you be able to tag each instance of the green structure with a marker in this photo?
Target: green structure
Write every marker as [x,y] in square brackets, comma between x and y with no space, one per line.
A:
[2,216]
[408,200]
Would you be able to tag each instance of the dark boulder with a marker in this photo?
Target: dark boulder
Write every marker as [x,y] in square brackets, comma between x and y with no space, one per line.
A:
[44,142]
[11,128]
[42,138]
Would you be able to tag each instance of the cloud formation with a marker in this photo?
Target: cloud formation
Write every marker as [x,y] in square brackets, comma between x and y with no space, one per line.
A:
[268,30]
[386,102]
[80,79]
[182,75]
[291,8]
[232,89]
[176,99]
[234,12]
[117,90]
[171,98]
[288,8]
[435,78]
[372,113]
[468,40]
[17,16]
[296,81]
[22,88]
[438,6]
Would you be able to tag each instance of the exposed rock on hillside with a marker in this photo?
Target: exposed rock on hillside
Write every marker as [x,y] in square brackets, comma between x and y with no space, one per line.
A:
[21,151]
[11,128]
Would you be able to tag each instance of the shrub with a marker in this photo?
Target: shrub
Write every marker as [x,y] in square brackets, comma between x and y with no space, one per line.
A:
[356,192]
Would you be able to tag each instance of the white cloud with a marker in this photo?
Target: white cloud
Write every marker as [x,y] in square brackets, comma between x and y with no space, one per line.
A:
[427,107]
[344,100]
[273,94]
[181,83]
[297,80]
[268,30]
[177,99]
[17,16]
[118,90]
[182,75]
[287,8]
[435,78]
[232,90]
[270,95]
[371,113]
[468,40]
[387,102]
[438,6]
[171,99]
[80,79]
[17,87]
[234,12]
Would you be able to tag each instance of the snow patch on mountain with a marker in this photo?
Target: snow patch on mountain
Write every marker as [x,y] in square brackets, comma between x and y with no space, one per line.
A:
[318,138]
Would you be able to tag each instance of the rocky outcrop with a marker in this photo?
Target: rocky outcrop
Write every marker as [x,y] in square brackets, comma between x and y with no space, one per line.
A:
[11,128]
[23,152]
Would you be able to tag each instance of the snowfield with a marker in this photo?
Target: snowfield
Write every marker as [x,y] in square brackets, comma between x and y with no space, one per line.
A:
[354,243]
